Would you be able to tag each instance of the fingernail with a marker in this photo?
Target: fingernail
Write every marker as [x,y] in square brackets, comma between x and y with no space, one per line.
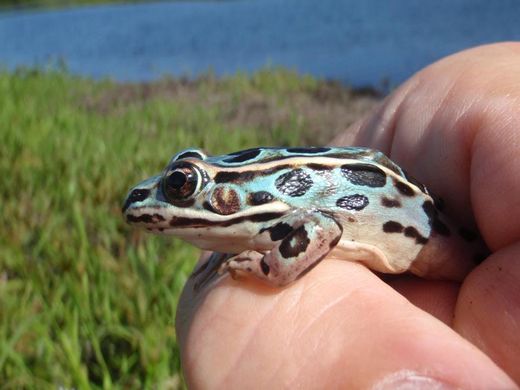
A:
[410,380]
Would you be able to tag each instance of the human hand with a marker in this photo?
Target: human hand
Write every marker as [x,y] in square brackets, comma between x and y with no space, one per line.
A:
[455,126]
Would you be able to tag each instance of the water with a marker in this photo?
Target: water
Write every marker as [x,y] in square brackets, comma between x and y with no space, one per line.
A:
[358,42]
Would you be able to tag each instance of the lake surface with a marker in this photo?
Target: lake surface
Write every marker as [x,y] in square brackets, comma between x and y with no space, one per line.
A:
[358,42]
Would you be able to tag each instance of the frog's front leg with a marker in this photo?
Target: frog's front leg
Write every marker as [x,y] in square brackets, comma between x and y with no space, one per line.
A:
[300,241]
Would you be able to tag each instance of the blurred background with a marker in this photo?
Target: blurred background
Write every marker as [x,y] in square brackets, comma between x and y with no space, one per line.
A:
[97,95]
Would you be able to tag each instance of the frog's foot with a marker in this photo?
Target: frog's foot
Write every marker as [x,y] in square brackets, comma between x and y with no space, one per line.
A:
[245,262]
[306,239]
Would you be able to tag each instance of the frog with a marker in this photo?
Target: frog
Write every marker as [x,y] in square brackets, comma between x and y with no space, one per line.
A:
[276,213]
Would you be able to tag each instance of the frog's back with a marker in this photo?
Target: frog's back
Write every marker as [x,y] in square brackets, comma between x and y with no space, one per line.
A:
[265,155]
[338,180]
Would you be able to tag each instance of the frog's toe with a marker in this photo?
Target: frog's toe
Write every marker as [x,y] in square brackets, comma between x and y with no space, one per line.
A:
[248,262]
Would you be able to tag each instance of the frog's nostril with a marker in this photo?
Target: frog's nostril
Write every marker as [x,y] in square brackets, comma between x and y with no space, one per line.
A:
[136,195]
[139,195]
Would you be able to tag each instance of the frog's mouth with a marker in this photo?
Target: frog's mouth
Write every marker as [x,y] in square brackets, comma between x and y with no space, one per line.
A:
[221,233]
[165,218]
[172,218]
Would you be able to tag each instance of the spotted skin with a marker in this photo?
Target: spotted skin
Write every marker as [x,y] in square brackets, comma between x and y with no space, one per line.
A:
[302,248]
[244,156]
[225,200]
[387,202]
[275,213]
[279,231]
[364,175]
[260,197]
[355,202]
[294,183]
[404,188]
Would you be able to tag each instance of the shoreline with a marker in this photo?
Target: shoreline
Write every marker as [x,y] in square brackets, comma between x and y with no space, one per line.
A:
[325,106]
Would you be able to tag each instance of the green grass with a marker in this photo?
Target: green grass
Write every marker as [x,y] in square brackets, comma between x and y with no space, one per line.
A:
[86,301]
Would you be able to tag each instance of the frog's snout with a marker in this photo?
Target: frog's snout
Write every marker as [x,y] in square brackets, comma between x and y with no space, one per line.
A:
[136,195]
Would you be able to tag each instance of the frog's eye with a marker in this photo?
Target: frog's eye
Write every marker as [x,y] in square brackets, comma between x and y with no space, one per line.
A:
[181,182]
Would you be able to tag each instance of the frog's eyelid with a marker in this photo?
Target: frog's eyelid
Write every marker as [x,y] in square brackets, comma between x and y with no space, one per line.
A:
[189,153]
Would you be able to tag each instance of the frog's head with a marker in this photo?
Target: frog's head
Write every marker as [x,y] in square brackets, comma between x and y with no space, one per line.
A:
[164,201]
[194,200]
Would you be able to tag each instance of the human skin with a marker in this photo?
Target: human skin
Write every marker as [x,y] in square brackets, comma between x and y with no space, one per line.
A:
[456,127]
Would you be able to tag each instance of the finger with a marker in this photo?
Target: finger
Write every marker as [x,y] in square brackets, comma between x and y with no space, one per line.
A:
[488,310]
[455,126]
[437,298]
[339,327]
